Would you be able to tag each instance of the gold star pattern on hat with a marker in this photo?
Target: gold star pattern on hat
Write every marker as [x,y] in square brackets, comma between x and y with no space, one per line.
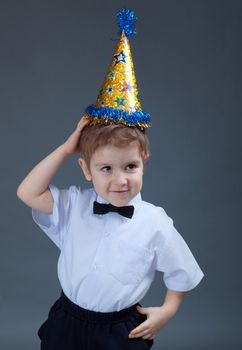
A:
[119,89]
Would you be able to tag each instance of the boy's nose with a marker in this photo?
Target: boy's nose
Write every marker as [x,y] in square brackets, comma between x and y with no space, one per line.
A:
[119,179]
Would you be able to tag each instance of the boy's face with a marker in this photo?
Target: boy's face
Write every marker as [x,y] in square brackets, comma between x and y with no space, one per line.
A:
[116,173]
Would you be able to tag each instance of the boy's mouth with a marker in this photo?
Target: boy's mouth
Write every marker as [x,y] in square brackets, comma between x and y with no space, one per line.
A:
[121,191]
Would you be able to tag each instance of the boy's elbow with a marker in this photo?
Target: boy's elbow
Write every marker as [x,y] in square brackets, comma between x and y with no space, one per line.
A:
[20,193]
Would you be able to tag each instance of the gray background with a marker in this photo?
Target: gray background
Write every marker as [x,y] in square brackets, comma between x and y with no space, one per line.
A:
[187,57]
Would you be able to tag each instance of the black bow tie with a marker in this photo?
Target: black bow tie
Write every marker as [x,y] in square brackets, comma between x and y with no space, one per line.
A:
[102,208]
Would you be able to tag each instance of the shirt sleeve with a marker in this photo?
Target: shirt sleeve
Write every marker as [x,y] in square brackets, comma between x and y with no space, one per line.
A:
[175,259]
[55,224]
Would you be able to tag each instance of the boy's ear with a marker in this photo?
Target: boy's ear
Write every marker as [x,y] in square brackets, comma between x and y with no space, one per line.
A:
[85,169]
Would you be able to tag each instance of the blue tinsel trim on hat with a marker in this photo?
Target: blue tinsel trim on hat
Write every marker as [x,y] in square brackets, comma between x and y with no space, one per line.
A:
[126,21]
[115,114]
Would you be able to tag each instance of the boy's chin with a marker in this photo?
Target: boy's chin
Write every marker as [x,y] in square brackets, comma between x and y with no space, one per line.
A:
[114,200]
[119,202]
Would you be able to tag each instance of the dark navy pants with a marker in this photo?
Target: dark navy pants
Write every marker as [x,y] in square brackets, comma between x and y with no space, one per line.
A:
[70,327]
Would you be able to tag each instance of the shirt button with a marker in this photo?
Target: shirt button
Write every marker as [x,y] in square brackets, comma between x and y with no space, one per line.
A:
[106,234]
[84,305]
[94,267]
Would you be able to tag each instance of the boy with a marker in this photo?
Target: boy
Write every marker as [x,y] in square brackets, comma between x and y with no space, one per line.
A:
[111,241]
[116,170]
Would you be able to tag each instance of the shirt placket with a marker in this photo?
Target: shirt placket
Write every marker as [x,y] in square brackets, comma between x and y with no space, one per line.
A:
[109,228]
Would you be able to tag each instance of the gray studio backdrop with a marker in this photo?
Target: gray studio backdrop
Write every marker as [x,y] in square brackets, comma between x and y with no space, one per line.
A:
[187,56]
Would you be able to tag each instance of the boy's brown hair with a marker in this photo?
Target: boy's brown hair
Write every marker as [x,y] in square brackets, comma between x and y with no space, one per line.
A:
[117,135]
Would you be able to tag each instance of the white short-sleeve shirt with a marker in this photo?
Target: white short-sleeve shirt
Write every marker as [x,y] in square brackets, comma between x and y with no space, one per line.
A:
[108,262]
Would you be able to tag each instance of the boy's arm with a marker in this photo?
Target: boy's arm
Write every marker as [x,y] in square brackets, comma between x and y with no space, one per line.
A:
[173,301]
[34,190]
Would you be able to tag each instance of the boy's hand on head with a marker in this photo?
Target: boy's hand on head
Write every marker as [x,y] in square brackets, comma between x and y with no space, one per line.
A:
[157,317]
[72,144]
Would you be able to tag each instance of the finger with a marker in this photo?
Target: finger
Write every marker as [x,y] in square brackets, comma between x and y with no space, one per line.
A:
[137,331]
[141,327]
[83,122]
[149,336]
[141,333]
[134,331]
[85,119]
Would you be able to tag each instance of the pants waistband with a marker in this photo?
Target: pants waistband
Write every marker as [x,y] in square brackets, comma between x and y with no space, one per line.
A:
[95,316]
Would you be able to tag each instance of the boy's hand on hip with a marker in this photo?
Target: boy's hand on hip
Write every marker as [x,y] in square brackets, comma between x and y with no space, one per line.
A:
[72,144]
[157,317]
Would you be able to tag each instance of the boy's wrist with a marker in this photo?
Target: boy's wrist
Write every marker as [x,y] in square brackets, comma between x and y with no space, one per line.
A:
[170,310]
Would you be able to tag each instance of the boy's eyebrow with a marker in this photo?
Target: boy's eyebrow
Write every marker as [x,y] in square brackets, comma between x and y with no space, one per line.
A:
[98,164]
[133,161]
[128,162]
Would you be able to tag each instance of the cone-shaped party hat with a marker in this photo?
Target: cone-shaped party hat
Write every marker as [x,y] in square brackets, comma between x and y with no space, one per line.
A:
[118,101]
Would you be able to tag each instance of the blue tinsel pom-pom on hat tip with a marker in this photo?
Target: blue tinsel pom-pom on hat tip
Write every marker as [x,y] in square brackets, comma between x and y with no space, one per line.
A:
[126,21]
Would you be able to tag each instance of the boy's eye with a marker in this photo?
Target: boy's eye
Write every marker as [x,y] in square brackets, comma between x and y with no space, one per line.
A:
[131,166]
[106,168]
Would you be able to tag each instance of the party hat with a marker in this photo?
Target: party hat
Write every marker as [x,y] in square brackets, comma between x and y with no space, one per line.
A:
[118,101]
